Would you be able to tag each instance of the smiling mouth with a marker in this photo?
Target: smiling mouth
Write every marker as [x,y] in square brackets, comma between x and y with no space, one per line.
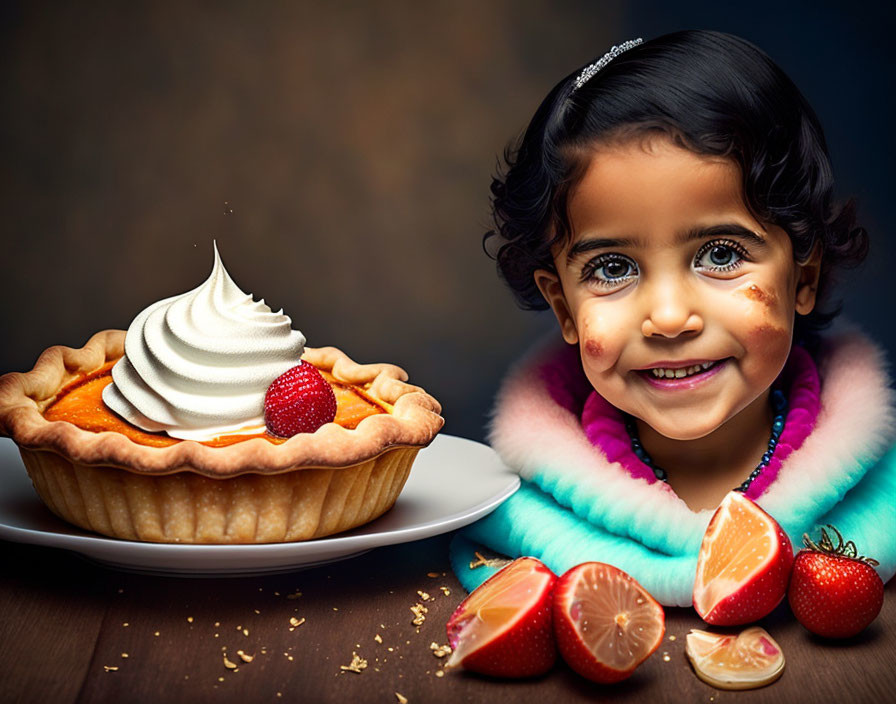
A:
[680,372]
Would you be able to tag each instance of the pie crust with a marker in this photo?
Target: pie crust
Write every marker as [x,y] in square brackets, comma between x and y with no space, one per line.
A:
[253,491]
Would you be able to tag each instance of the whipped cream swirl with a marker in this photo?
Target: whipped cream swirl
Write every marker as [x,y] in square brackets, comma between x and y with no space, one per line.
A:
[198,365]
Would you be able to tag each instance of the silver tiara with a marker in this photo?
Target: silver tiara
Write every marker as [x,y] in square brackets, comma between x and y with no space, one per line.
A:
[588,72]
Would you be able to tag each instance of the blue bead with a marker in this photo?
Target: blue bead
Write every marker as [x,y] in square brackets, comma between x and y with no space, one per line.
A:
[778,424]
[646,460]
[659,473]
[766,457]
[772,443]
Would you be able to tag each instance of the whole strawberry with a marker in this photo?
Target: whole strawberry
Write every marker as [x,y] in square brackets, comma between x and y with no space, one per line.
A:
[834,592]
[298,401]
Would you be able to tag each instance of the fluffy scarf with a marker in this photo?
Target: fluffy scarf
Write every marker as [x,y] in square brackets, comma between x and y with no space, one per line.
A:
[585,496]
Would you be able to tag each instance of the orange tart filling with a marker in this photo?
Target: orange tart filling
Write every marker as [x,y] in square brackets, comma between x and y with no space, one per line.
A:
[81,403]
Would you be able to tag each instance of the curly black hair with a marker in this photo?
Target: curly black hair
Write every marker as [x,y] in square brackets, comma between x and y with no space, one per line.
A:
[712,93]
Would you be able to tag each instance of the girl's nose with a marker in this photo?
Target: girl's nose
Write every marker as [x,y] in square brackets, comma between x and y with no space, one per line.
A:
[671,313]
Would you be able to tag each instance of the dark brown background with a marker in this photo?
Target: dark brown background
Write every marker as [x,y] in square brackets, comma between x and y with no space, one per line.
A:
[354,144]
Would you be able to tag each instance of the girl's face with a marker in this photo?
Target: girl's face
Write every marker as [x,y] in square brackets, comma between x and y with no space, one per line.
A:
[681,302]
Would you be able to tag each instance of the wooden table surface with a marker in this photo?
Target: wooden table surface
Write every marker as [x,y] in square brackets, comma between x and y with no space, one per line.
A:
[75,631]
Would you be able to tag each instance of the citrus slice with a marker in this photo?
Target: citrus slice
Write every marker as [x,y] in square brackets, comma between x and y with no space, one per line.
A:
[747,660]
[504,628]
[743,566]
[605,622]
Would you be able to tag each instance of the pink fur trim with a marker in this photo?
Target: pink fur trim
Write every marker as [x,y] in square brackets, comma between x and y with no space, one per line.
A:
[605,428]
[855,423]
[803,388]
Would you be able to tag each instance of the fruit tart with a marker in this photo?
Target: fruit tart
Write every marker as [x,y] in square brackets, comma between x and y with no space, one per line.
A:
[209,421]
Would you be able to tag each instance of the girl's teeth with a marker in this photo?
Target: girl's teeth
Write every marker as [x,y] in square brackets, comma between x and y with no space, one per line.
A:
[660,373]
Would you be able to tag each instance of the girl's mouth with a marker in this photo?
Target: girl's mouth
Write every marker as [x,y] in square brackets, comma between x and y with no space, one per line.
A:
[682,377]
[681,372]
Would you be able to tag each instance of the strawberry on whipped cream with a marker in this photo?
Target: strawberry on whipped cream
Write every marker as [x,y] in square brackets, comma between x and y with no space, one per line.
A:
[197,365]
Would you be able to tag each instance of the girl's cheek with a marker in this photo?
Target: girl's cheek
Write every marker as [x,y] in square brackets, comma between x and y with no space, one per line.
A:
[593,349]
[760,307]
[770,338]
[759,295]
[764,323]
[596,340]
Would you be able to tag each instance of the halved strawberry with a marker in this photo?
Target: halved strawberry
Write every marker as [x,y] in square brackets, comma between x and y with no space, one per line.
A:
[605,622]
[298,401]
[834,591]
[743,566]
[503,628]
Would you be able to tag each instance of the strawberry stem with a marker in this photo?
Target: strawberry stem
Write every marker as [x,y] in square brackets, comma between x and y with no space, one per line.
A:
[841,549]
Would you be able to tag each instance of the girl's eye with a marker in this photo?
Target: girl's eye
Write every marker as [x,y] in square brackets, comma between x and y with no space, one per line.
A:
[609,269]
[720,256]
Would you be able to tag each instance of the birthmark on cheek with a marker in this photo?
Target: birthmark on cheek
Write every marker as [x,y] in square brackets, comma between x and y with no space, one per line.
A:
[770,336]
[754,293]
[593,348]
[768,346]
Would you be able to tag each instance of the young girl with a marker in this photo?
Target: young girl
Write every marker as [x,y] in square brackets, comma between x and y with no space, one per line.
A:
[672,204]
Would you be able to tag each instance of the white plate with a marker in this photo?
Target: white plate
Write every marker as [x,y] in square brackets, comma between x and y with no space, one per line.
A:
[453,482]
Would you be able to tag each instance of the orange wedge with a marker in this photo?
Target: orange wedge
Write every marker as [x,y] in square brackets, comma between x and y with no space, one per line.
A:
[504,628]
[744,564]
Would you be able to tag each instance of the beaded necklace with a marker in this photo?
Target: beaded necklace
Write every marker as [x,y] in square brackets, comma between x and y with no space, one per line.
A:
[779,405]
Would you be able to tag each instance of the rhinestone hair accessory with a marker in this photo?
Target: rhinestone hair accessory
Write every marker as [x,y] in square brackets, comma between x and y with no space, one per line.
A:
[589,71]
